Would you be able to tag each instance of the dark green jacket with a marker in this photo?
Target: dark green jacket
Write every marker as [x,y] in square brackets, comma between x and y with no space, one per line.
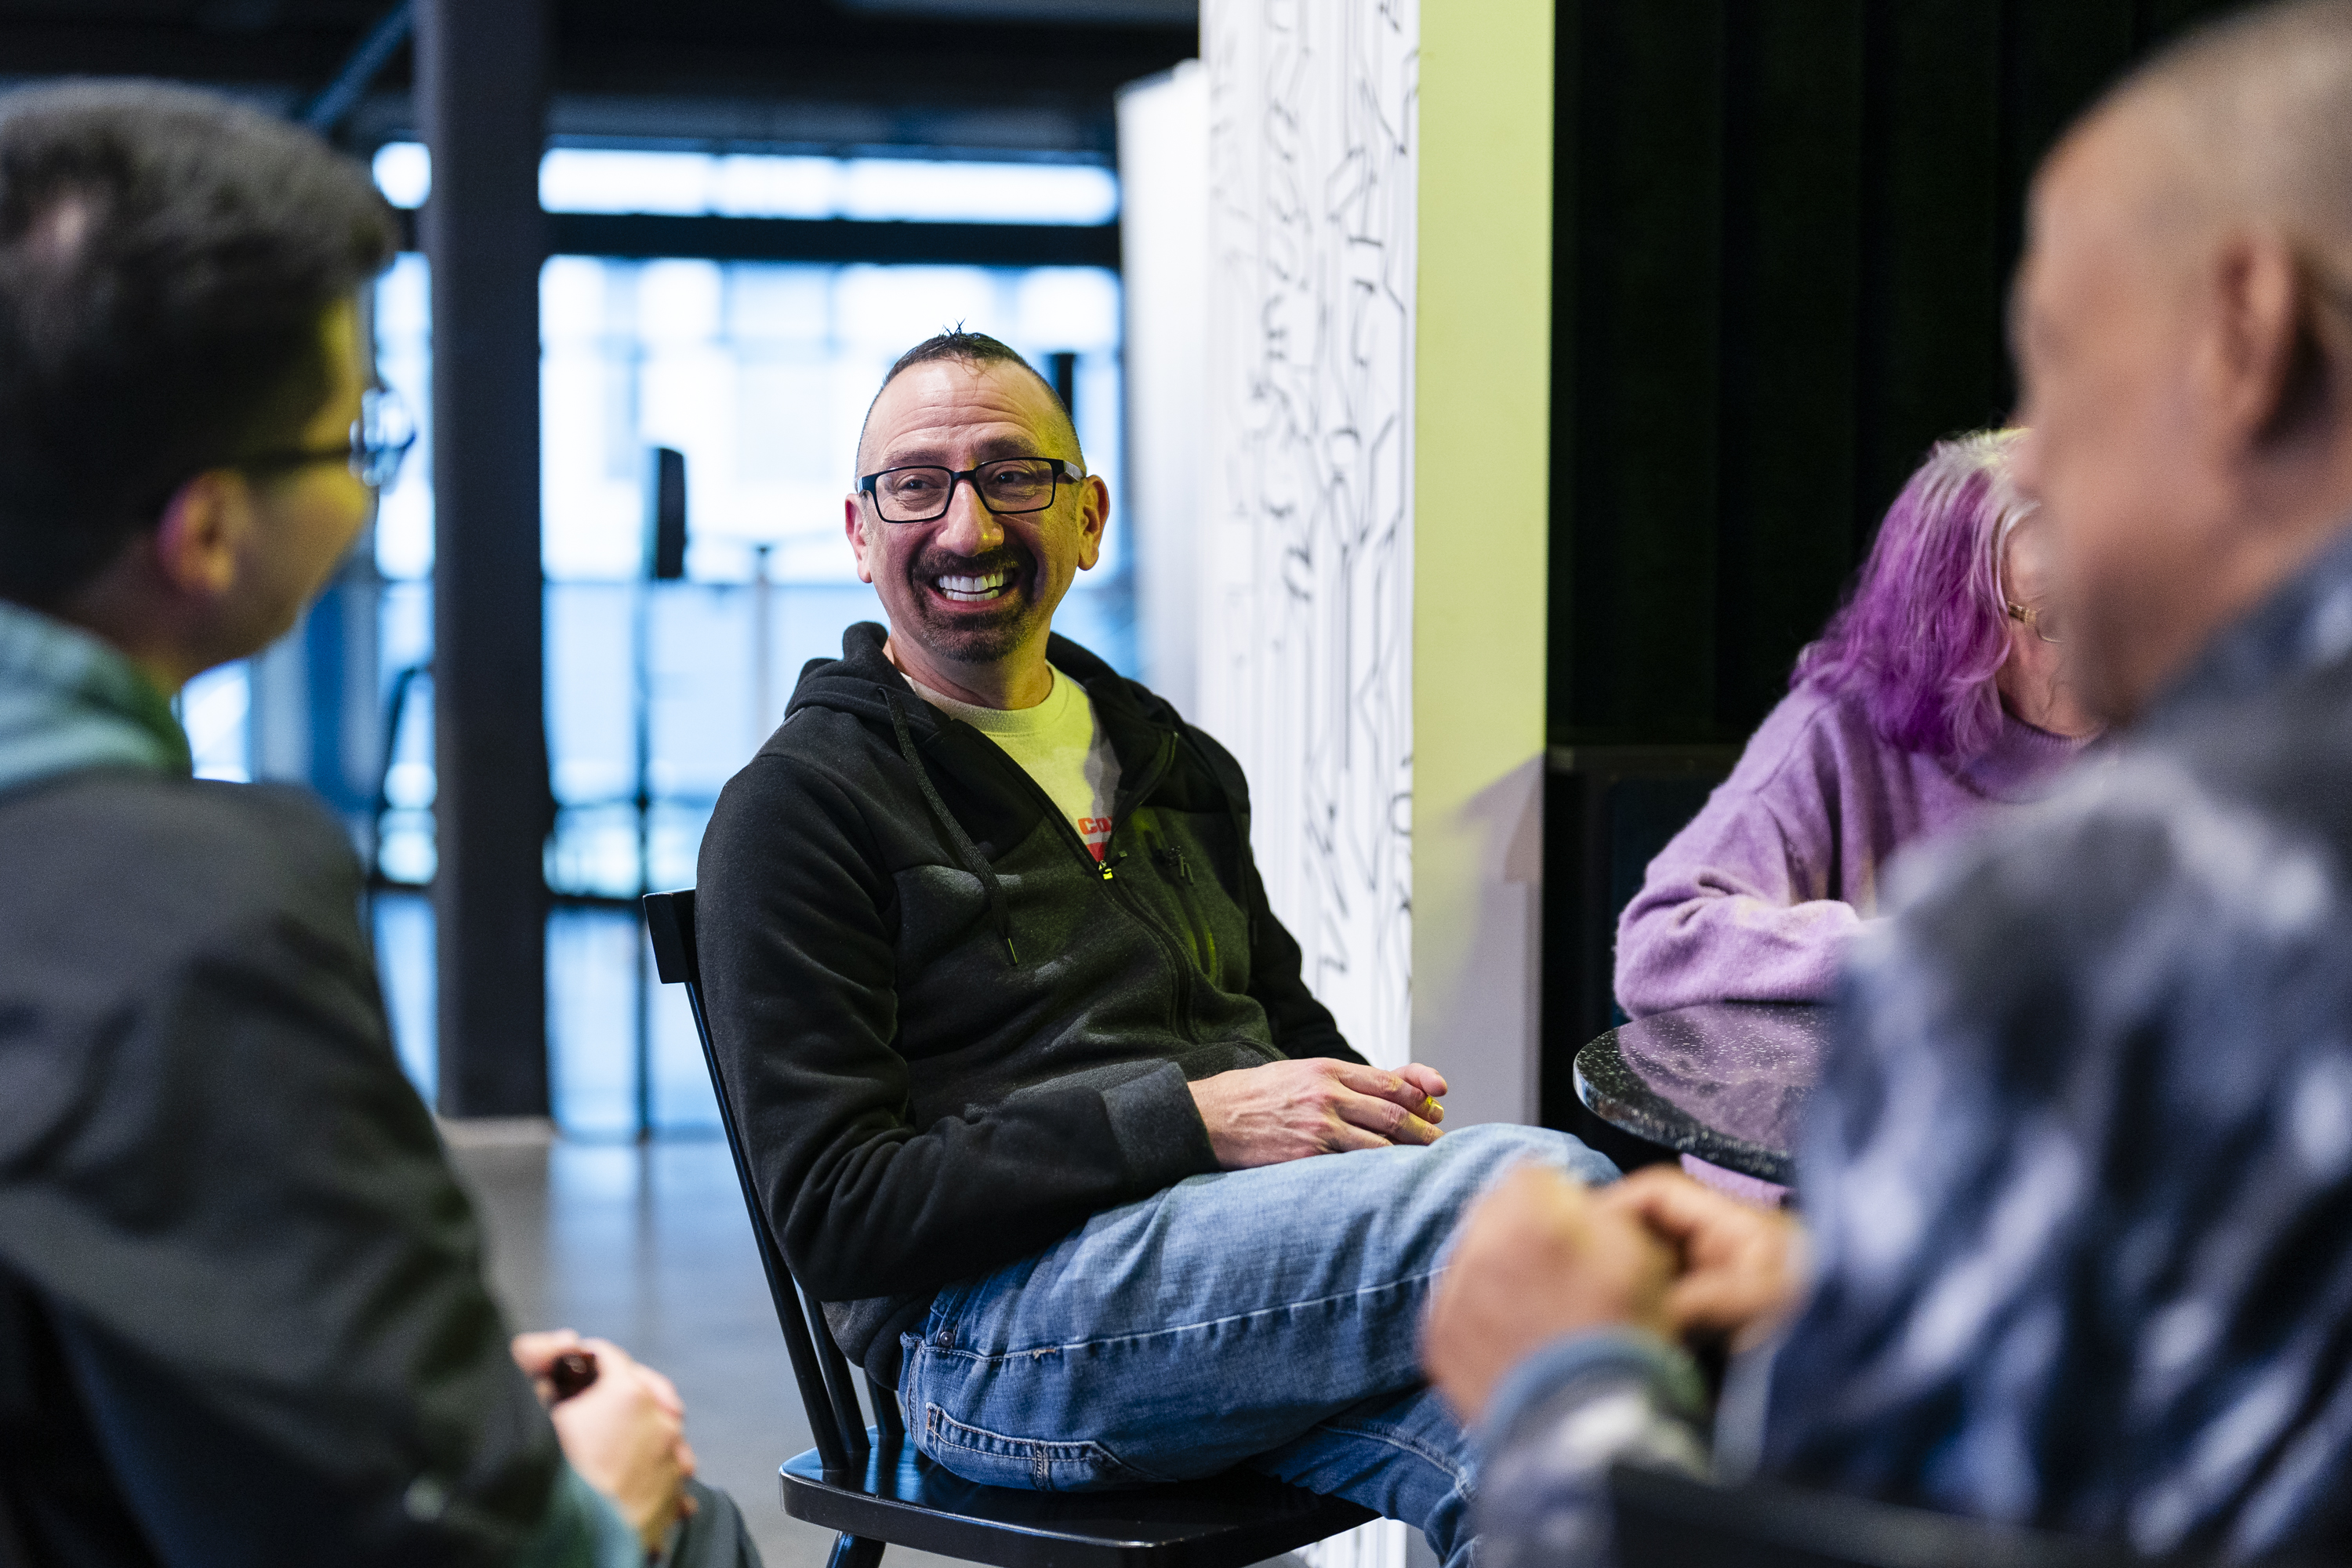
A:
[951,1036]
[242,1313]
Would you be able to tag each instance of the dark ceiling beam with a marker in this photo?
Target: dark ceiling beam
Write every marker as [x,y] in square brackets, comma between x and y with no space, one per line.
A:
[812,49]
[973,76]
[833,240]
[836,242]
[300,59]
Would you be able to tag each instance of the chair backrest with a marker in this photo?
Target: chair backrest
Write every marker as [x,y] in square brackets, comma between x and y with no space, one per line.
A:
[1667,1520]
[818,1366]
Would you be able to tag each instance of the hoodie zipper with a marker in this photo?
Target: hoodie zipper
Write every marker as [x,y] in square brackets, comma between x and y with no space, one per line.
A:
[1172,949]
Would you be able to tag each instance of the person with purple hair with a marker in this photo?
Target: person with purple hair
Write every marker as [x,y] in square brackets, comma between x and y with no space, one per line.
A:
[1933,695]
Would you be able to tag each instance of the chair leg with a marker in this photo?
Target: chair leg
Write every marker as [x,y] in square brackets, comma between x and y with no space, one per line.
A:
[854,1552]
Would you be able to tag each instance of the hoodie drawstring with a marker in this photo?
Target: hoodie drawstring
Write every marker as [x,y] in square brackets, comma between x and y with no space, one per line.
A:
[973,860]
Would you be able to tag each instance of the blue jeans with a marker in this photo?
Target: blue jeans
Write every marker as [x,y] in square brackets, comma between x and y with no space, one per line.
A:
[1269,1317]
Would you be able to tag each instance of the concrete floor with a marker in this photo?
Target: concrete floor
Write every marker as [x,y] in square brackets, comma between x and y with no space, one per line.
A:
[648,1246]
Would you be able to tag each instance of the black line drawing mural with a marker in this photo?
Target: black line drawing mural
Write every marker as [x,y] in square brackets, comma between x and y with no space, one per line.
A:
[1305,637]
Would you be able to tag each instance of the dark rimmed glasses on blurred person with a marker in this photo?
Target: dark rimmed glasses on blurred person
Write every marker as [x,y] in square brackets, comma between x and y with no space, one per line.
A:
[381,437]
[1007,487]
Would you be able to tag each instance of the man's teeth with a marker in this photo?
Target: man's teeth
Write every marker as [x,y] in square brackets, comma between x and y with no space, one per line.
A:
[974,590]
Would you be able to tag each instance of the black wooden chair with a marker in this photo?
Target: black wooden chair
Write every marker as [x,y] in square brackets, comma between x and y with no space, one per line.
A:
[874,1488]
[1667,1520]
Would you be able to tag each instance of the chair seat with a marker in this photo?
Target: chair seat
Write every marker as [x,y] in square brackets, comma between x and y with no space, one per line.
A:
[1225,1521]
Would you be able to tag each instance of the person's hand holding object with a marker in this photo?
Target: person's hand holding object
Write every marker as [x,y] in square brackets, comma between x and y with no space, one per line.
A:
[624,1433]
[1316,1105]
[1539,1256]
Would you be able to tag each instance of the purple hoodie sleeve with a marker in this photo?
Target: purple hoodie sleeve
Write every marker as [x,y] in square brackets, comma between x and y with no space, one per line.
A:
[1737,908]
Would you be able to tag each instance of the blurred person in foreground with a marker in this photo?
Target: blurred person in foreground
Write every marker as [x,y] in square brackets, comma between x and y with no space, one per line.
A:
[242,1311]
[1039,1103]
[2078,1181]
[1935,695]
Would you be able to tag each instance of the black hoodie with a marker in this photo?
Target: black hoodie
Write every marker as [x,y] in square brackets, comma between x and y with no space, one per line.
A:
[951,1036]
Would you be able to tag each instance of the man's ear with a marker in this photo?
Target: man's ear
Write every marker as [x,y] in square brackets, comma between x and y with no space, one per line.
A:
[2267,364]
[1094,516]
[853,523]
[199,543]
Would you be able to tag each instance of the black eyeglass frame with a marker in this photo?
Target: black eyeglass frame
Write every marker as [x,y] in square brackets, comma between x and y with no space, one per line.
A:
[1065,472]
[375,457]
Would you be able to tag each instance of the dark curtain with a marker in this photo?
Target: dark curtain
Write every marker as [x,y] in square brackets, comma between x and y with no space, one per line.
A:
[1784,231]
[1783,234]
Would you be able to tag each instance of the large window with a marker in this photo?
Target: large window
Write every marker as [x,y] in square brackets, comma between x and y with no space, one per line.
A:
[759,373]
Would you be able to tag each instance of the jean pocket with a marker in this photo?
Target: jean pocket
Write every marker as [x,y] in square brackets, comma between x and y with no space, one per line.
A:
[1033,1464]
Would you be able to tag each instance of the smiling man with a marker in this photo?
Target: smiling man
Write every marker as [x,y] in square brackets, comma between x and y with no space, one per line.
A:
[1029,1075]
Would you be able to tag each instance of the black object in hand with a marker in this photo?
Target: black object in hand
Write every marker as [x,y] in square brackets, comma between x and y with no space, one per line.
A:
[570,1373]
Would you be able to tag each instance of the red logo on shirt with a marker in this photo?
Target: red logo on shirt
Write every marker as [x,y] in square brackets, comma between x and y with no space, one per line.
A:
[1096,831]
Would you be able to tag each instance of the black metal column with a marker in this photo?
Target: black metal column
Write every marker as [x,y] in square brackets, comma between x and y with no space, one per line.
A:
[480,94]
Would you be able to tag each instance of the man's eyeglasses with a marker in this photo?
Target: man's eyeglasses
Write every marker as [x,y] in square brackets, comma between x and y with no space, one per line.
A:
[1006,486]
[381,437]
[2042,624]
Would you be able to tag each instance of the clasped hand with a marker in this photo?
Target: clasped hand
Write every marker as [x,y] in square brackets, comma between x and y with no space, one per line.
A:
[1541,1256]
[625,1434]
[1316,1105]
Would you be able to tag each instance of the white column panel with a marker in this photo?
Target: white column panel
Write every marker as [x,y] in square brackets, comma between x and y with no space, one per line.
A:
[1164,177]
[1305,611]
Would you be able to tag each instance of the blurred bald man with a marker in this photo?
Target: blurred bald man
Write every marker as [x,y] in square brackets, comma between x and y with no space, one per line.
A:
[2079,1180]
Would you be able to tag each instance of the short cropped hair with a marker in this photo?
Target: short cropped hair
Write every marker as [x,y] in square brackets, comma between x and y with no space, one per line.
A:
[1919,639]
[970,348]
[166,262]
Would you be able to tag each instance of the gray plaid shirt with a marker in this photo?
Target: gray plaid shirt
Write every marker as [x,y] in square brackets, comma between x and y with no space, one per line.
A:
[2079,1175]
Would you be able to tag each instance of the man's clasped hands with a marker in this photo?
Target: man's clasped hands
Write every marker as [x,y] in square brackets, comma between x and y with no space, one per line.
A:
[1542,1257]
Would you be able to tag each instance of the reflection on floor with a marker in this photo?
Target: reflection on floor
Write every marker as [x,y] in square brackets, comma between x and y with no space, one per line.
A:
[647,1245]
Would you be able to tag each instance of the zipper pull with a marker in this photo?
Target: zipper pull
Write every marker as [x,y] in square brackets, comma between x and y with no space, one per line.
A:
[1108,861]
[1172,856]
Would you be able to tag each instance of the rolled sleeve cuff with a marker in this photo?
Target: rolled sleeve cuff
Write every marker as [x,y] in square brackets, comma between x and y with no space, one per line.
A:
[1160,1135]
[1595,1358]
[582,1530]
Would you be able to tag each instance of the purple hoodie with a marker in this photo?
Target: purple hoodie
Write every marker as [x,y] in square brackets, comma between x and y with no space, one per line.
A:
[1754,900]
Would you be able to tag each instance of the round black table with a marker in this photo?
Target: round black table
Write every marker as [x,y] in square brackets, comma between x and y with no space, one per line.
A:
[1726,1081]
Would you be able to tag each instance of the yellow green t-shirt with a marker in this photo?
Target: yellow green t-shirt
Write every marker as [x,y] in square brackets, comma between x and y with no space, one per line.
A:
[1060,744]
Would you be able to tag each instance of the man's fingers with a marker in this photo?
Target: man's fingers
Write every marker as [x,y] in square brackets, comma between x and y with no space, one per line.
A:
[665,1392]
[1385,1117]
[1428,1079]
[535,1350]
[1344,1137]
[1670,1202]
[1721,1303]
[1393,1087]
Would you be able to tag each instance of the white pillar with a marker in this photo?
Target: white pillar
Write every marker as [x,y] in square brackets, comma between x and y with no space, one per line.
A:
[1307,609]
[1164,176]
